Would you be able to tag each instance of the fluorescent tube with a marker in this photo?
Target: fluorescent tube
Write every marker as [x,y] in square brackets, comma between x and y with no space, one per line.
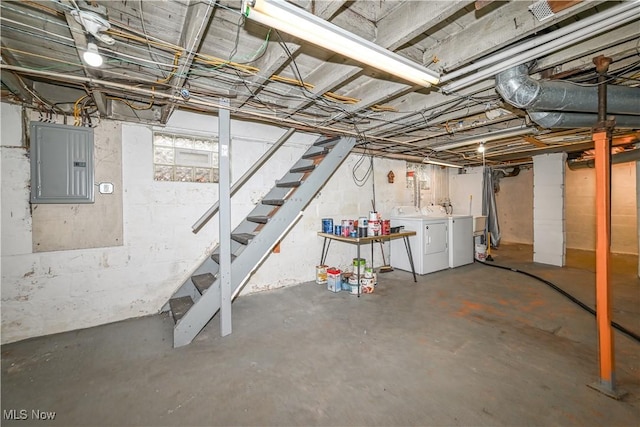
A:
[293,20]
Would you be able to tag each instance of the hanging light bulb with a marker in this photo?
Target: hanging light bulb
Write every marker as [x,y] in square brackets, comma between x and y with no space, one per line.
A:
[481,147]
[91,56]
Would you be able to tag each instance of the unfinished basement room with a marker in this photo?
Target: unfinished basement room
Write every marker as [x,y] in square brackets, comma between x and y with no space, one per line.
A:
[320,213]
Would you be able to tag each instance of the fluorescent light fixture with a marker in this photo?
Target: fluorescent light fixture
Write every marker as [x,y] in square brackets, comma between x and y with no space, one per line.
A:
[441,163]
[486,137]
[91,56]
[567,36]
[293,20]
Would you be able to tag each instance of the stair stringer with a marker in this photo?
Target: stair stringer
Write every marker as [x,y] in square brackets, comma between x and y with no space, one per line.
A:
[259,248]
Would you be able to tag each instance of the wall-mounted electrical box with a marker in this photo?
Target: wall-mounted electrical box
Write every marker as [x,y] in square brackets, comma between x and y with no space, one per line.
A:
[61,164]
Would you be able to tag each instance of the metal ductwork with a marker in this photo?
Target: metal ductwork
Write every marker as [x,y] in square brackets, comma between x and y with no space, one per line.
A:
[520,90]
[568,120]
[624,157]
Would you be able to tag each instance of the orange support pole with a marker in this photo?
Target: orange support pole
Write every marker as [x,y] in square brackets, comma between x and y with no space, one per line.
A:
[602,144]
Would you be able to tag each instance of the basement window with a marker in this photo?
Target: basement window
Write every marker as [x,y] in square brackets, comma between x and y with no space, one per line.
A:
[183,158]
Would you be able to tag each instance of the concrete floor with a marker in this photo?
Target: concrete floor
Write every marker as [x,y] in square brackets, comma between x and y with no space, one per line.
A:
[471,346]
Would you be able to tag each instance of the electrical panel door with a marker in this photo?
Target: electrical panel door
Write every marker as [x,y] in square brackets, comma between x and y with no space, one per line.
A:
[61,164]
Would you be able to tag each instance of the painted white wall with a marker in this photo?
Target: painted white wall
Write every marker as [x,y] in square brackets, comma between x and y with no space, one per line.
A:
[50,292]
[549,245]
[465,188]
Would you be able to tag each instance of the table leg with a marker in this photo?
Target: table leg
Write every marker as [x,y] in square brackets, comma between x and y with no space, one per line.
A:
[372,255]
[358,267]
[325,250]
[407,245]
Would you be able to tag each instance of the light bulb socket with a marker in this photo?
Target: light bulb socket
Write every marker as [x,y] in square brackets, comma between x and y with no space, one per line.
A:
[92,56]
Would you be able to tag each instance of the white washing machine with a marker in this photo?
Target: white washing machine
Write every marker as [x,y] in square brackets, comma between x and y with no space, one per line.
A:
[429,246]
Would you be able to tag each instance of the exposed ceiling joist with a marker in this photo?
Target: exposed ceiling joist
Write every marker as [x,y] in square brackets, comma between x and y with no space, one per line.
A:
[195,25]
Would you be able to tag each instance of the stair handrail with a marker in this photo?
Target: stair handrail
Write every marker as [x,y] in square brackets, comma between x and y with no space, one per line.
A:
[197,226]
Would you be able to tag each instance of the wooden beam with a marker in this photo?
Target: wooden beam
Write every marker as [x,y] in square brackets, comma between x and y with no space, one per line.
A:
[482,3]
[535,141]
[558,5]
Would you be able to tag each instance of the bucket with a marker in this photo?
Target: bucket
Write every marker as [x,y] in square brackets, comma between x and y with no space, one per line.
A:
[358,266]
[321,274]
[334,280]
[354,285]
[373,216]
[327,225]
[481,252]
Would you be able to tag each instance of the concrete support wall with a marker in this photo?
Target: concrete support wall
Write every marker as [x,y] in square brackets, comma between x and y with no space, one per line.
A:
[548,209]
[515,208]
[50,292]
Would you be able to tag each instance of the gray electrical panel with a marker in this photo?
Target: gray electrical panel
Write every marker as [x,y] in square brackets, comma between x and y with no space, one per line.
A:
[61,163]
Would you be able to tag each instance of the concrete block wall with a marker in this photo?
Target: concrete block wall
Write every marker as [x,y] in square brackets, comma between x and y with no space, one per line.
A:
[50,292]
[548,208]
[581,209]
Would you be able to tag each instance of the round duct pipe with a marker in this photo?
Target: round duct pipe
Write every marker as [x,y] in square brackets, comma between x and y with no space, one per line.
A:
[568,120]
[520,90]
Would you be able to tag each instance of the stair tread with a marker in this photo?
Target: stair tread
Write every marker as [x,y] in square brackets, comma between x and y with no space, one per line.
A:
[216,257]
[203,281]
[299,169]
[273,202]
[179,307]
[333,140]
[316,154]
[243,238]
[260,219]
[286,184]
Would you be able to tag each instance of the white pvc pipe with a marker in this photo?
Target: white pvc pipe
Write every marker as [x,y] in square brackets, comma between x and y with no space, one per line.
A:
[548,48]
[591,20]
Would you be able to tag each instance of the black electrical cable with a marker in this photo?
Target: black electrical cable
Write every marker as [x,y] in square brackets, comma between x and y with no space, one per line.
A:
[573,299]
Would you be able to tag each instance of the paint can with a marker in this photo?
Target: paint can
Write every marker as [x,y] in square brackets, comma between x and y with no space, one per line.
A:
[345,231]
[345,281]
[337,230]
[386,227]
[367,285]
[334,280]
[373,216]
[353,233]
[327,225]
[373,229]
[354,285]
[321,274]
[359,265]
[368,271]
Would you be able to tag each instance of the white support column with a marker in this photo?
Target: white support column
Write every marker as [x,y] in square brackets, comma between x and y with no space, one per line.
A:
[549,245]
[224,185]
